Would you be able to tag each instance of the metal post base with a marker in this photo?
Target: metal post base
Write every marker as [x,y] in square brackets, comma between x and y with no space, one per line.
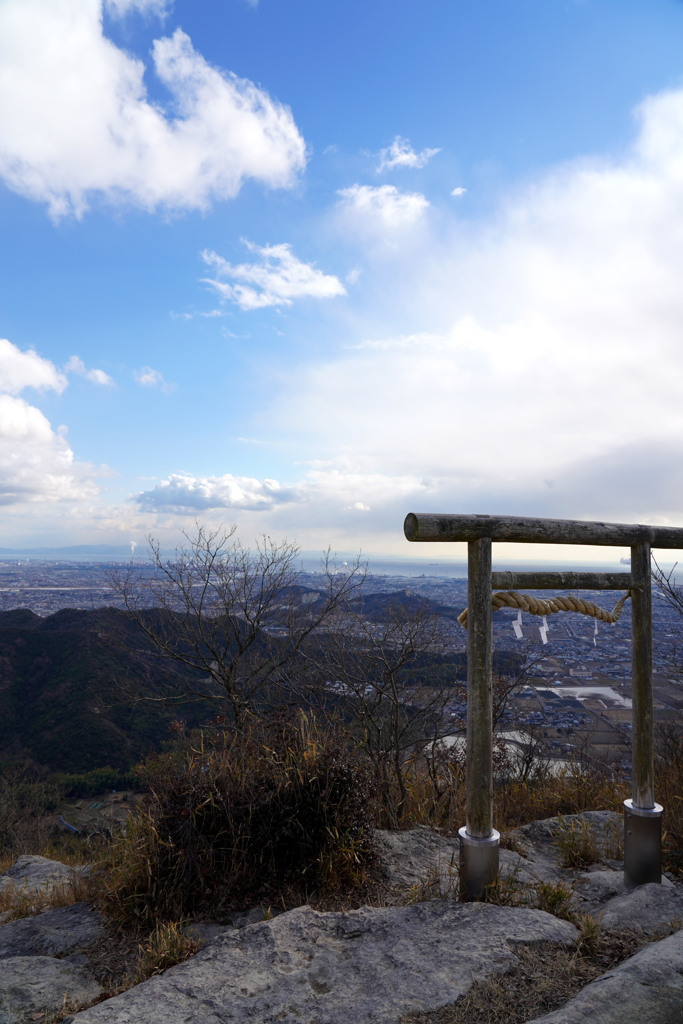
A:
[642,843]
[478,863]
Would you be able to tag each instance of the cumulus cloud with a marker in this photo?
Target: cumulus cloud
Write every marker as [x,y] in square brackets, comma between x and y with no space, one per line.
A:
[147,377]
[36,462]
[548,375]
[459,191]
[76,365]
[384,206]
[76,121]
[276,280]
[401,154]
[19,370]
[186,495]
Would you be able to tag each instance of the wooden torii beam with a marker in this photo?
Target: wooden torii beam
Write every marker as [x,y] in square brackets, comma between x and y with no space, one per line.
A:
[479,841]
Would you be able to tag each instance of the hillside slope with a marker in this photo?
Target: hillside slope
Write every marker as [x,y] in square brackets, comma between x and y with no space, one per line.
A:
[57,676]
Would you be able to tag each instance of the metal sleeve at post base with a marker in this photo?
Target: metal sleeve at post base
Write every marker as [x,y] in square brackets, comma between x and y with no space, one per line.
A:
[642,843]
[479,863]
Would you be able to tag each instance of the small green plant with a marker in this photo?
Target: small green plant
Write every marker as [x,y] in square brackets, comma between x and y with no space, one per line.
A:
[554,898]
[590,933]
[506,890]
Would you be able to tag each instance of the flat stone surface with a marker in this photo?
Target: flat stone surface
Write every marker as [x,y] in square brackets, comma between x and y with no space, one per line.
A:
[368,966]
[649,907]
[417,856]
[646,989]
[538,840]
[595,887]
[32,873]
[53,933]
[30,984]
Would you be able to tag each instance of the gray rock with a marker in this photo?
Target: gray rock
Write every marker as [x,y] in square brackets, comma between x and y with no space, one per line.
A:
[518,869]
[204,931]
[33,873]
[649,907]
[595,887]
[53,933]
[368,965]
[29,984]
[417,856]
[538,842]
[645,989]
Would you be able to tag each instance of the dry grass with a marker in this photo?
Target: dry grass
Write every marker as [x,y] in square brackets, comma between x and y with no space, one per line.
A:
[166,946]
[580,844]
[436,792]
[542,980]
[17,902]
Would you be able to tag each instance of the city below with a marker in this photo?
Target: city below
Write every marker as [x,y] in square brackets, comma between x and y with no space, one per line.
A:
[576,692]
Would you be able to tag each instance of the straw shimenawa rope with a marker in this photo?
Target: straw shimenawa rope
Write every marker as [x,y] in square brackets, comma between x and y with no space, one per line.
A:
[538,606]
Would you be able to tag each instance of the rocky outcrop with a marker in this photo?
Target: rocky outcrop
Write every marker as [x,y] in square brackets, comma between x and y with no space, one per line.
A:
[34,874]
[645,989]
[649,908]
[368,965]
[40,968]
[33,984]
[54,933]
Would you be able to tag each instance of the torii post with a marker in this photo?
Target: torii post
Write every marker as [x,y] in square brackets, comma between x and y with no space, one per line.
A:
[479,841]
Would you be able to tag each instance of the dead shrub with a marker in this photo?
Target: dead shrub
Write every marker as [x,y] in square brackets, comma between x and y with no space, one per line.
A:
[279,808]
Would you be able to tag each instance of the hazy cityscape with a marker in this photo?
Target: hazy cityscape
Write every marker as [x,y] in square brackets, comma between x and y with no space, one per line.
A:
[576,691]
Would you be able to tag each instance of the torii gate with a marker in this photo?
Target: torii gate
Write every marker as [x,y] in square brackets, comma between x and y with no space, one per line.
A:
[479,841]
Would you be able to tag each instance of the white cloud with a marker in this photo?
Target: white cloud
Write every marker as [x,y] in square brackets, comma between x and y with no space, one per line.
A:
[384,205]
[547,377]
[19,370]
[275,281]
[186,495]
[401,154]
[36,462]
[76,365]
[210,314]
[459,191]
[75,119]
[147,377]
[119,8]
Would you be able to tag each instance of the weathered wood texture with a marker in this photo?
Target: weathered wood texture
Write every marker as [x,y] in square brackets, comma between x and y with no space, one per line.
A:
[424,526]
[560,580]
[479,787]
[642,713]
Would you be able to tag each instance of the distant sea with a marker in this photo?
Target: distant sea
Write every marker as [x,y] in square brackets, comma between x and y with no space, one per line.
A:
[379,565]
[457,569]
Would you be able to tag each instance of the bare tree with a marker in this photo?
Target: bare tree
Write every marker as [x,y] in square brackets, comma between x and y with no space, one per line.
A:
[374,669]
[241,616]
[672,592]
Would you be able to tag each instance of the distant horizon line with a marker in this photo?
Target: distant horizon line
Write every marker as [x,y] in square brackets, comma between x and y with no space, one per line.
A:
[122,553]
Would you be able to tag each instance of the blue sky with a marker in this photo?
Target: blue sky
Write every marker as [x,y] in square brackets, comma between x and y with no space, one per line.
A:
[309,266]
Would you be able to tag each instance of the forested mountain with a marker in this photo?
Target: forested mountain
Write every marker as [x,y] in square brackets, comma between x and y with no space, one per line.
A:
[57,676]
[66,683]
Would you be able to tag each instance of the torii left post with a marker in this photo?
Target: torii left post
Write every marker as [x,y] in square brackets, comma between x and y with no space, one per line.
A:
[479,841]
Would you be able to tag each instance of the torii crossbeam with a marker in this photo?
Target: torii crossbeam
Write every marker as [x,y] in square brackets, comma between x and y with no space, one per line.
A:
[479,841]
